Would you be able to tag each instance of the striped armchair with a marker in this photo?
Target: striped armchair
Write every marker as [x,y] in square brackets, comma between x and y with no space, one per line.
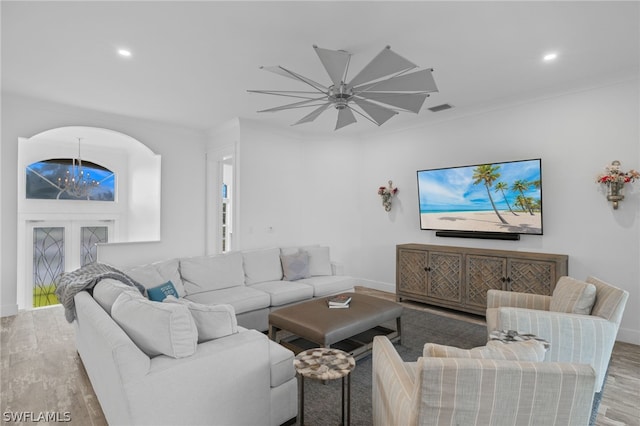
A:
[467,391]
[574,338]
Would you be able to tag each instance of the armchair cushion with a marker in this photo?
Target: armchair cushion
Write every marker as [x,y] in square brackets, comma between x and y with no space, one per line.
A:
[530,350]
[573,296]
[610,300]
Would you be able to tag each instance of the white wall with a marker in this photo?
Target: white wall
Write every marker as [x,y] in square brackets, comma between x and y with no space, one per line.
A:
[576,135]
[183,176]
[298,190]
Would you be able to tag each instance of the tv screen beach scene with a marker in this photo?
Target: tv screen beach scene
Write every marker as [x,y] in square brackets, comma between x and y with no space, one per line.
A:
[499,197]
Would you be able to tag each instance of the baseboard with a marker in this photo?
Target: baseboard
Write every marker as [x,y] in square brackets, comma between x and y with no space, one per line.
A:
[8,310]
[628,335]
[376,285]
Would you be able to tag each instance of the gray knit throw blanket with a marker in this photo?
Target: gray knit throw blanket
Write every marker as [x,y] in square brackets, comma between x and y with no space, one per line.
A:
[86,278]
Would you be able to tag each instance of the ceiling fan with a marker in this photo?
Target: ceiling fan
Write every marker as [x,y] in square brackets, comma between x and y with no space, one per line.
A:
[382,89]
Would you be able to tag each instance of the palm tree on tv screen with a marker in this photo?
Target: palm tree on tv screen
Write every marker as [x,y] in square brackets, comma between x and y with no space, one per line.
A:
[502,186]
[487,174]
[521,186]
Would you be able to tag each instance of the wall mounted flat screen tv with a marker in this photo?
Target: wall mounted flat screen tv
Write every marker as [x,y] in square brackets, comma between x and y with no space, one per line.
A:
[497,198]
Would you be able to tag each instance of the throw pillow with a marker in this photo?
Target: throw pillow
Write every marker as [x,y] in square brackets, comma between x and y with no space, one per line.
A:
[107,291]
[154,274]
[319,261]
[573,296]
[295,266]
[156,328]
[530,350]
[159,293]
[212,321]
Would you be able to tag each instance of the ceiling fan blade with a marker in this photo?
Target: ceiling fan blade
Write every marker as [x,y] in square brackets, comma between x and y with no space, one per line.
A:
[288,93]
[408,101]
[419,81]
[385,63]
[378,113]
[345,117]
[291,106]
[288,73]
[313,115]
[335,62]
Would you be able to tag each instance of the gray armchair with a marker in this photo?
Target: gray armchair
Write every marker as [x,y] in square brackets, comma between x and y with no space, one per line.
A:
[574,338]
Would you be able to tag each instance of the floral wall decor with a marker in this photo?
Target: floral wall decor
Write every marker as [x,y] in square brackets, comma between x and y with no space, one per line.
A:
[614,178]
[386,193]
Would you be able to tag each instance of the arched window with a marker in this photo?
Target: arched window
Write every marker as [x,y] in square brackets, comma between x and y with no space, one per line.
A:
[69,179]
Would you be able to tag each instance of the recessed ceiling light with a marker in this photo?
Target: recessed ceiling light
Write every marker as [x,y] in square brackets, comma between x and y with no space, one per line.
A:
[550,56]
[124,52]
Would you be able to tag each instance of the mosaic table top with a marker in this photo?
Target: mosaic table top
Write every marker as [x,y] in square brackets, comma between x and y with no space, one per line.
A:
[324,363]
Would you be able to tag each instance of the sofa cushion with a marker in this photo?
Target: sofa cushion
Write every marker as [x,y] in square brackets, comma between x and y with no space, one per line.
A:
[243,299]
[206,273]
[529,350]
[285,292]
[262,265]
[107,291]
[212,321]
[331,284]
[319,261]
[156,328]
[157,273]
[295,266]
[159,293]
[573,296]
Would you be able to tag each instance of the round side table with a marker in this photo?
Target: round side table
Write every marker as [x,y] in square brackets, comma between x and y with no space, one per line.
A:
[325,364]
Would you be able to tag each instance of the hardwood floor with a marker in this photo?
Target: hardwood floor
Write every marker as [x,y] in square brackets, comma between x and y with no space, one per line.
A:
[41,372]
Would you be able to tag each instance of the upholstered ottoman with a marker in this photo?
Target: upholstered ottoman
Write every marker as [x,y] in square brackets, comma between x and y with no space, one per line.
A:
[350,329]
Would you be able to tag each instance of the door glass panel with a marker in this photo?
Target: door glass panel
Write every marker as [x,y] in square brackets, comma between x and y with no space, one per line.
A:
[89,237]
[48,264]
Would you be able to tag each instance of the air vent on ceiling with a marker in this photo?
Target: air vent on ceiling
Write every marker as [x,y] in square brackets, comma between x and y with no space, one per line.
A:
[438,108]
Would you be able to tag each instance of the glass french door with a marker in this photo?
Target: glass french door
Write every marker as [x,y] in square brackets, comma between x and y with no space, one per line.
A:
[59,246]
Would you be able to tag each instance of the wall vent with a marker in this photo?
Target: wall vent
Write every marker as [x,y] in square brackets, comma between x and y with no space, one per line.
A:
[438,108]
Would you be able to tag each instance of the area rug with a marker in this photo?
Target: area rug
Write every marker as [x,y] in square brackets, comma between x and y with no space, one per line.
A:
[322,401]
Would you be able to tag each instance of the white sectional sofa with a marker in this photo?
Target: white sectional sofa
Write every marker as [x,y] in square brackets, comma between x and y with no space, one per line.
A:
[150,363]
[254,282]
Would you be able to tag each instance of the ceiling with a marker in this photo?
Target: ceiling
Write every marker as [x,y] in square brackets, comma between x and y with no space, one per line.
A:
[192,62]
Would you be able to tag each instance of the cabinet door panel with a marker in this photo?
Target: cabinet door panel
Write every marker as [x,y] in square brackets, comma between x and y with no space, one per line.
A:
[530,276]
[484,273]
[444,280]
[412,274]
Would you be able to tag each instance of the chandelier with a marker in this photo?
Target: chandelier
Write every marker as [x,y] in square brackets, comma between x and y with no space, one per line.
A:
[76,183]
[382,89]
